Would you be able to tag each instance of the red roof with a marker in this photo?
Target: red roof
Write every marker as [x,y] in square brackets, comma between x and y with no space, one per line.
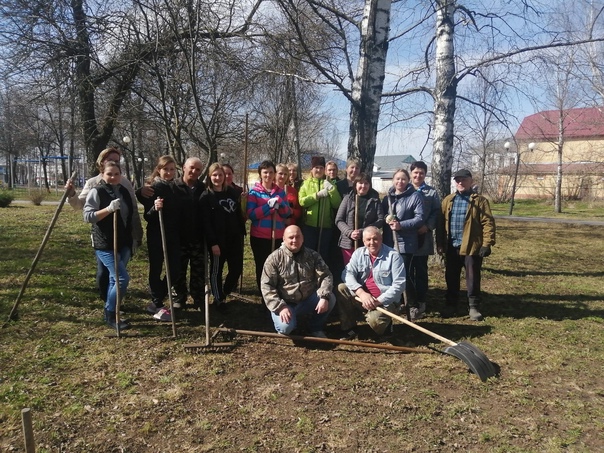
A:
[578,123]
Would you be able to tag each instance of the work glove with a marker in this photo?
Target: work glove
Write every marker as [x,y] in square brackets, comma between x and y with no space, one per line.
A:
[484,251]
[327,185]
[273,202]
[114,205]
[322,193]
[390,218]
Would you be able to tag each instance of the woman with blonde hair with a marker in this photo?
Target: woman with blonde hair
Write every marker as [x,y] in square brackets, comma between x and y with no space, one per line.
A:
[291,194]
[224,229]
[167,200]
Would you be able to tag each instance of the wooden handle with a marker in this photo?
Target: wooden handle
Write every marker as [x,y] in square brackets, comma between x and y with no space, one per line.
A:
[416,327]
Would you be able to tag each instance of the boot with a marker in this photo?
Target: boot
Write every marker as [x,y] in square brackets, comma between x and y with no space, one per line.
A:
[475,315]
[110,320]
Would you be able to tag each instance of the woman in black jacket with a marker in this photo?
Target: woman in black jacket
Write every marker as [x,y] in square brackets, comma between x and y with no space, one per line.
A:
[224,229]
[165,198]
[350,222]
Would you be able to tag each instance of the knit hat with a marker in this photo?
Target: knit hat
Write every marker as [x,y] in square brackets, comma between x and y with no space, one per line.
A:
[103,155]
[317,161]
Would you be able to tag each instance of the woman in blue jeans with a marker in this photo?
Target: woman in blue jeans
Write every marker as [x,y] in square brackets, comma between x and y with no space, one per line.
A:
[103,202]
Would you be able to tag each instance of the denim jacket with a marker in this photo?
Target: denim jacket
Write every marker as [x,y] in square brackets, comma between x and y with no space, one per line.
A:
[388,273]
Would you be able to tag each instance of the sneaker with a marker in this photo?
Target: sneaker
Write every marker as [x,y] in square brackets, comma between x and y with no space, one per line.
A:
[348,336]
[163,315]
[318,334]
[415,314]
[152,308]
[475,315]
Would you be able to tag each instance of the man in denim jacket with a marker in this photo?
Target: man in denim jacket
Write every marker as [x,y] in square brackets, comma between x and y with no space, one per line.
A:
[374,277]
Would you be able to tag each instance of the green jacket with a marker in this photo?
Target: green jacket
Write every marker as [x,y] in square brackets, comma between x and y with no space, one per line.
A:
[478,229]
[315,207]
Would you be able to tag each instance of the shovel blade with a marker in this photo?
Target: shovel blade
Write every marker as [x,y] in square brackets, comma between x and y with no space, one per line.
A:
[476,360]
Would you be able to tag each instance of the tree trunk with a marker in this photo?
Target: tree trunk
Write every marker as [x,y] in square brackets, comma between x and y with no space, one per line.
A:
[369,82]
[445,92]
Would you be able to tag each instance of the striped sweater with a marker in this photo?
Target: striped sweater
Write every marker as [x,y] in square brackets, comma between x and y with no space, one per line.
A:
[261,215]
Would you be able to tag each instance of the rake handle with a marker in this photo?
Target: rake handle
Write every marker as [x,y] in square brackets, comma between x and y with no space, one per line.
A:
[416,327]
[323,340]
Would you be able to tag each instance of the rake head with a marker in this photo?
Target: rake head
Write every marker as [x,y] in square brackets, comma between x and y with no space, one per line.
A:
[200,348]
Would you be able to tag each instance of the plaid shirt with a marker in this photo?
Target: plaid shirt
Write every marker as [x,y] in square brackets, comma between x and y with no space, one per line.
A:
[458,217]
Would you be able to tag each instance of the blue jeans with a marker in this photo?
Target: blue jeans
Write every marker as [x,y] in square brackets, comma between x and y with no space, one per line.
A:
[106,257]
[306,307]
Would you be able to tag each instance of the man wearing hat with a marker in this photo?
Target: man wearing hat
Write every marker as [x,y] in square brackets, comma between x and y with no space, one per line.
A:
[465,235]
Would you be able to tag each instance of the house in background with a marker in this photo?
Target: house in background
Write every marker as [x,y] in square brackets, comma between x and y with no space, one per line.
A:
[384,168]
[582,132]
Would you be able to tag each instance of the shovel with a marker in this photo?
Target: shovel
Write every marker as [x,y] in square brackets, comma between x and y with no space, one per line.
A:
[478,362]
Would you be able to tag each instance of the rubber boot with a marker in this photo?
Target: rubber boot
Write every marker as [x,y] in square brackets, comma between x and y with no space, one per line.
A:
[475,315]
[110,320]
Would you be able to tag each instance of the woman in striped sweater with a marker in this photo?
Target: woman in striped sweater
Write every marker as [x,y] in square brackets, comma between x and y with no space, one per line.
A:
[267,209]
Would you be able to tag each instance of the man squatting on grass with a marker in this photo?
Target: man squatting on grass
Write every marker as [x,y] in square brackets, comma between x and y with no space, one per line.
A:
[295,282]
[465,235]
[375,277]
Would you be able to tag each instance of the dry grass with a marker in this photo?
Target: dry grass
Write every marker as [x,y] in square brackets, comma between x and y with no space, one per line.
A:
[90,393]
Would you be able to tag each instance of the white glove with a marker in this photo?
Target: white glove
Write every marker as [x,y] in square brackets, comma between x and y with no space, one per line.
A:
[114,205]
[322,193]
[273,202]
[390,218]
[327,185]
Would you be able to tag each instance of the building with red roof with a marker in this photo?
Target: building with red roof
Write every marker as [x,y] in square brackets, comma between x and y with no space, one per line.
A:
[581,134]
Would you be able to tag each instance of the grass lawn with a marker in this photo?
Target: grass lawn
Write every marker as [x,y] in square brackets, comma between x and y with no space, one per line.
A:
[90,392]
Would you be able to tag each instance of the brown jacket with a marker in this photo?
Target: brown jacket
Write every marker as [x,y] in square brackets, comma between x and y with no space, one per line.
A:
[478,229]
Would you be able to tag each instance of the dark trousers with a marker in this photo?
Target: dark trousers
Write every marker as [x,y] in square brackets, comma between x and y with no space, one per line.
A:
[418,277]
[261,249]
[157,284]
[191,254]
[454,262]
[102,279]
[311,240]
[233,256]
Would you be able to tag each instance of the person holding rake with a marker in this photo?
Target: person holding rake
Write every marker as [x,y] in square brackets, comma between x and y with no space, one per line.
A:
[108,199]
[162,183]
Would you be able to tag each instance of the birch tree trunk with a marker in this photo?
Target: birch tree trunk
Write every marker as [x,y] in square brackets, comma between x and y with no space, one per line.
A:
[369,82]
[445,92]
[560,149]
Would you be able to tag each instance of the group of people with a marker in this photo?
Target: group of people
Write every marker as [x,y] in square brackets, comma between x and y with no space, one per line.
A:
[317,244]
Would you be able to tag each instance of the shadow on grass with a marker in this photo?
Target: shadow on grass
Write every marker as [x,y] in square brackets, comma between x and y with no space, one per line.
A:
[557,308]
[510,273]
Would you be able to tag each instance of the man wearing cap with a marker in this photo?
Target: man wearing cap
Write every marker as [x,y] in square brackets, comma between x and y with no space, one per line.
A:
[465,235]
[77,201]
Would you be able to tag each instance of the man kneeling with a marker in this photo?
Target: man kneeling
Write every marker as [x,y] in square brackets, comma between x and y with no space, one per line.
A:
[296,282]
[374,277]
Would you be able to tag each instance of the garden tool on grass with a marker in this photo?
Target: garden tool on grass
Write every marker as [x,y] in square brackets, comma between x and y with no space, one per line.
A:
[356,217]
[167,267]
[395,243]
[13,311]
[324,340]
[208,346]
[476,360]
[116,264]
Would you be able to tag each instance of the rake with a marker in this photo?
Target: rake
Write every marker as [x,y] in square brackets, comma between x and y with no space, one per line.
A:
[364,344]
[208,346]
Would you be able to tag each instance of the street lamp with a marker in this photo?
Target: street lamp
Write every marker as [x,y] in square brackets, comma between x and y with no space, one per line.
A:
[506,145]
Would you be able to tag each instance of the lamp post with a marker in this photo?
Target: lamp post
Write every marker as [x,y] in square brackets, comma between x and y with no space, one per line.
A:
[506,145]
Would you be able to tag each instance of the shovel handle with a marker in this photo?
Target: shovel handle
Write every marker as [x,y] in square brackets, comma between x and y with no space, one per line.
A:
[415,326]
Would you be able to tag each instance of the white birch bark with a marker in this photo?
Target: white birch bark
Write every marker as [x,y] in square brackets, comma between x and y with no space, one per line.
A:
[369,82]
[445,92]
